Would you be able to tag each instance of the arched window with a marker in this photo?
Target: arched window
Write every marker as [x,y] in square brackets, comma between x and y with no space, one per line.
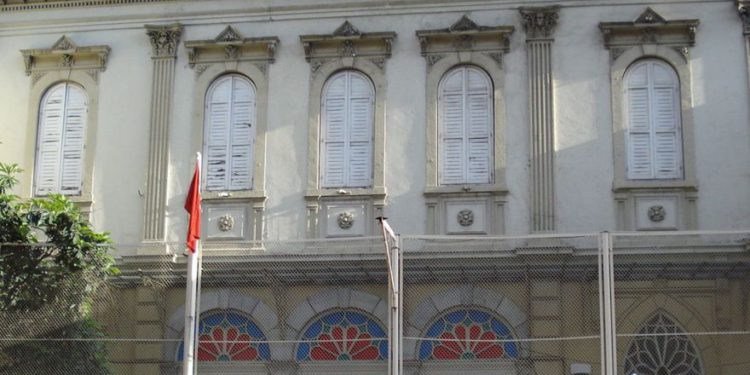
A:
[468,334]
[652,111]
[347,130]
[668,352]
[465,121]
[229,136]
[228,335]
[347,335]
[61,140]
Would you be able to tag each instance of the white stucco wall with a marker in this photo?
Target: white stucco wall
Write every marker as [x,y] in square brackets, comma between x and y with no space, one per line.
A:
[583,119]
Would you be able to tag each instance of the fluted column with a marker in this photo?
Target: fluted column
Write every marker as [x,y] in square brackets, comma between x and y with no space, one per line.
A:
[539,23]
[743,8]
[164,41]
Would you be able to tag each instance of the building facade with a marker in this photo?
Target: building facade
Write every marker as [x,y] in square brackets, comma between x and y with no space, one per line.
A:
[456,120]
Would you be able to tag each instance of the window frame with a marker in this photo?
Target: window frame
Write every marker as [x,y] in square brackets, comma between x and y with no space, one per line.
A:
[61,139]
[441,127]
[210,74]
[435,75]
[315,123]
[208,96]
[39,89]
[323,157]
[651,87]
[618,70]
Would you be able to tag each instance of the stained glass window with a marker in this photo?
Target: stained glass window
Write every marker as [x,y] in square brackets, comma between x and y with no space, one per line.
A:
[228,335]
[343,336]
[668,352]
[468,334]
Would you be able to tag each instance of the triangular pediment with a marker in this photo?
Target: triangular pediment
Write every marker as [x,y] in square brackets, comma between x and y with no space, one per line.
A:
[464,24]
[650,16]
[346,29]
[64,44]
[228,35]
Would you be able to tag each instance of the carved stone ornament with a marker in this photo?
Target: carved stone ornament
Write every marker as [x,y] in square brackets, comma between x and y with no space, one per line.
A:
[65,54]
[650,16]
[232,52]
[345,220]
[230,45]
[463,35]
[656,213]
[465,218]
[498,57]
[225,223]
[164,39]
[347,41]
[228,35]
[743,9]
[649,28]
[539,22]
[346,29]
[432,59]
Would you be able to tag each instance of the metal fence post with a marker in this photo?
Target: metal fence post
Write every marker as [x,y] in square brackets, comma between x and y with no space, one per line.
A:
[607,305]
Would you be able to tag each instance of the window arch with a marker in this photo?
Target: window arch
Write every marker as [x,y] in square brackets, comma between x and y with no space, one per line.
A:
[343,335]
[662,348]
[229,335]
[347,111]
[457,330]
[465,126]
[229,133]
[61,140]
[654,127]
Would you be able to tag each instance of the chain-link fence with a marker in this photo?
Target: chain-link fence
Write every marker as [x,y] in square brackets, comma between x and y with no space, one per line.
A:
[526,305]
[467,305]
[682,303]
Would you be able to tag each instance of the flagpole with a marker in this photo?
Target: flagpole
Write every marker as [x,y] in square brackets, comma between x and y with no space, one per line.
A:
[193,276]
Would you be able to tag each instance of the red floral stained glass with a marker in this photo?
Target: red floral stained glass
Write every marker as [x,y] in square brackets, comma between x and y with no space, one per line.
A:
[468,334]
[226,344]
[229,336]
[343,336]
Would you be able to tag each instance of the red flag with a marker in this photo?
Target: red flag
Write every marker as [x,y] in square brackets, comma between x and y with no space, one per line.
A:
[193,207]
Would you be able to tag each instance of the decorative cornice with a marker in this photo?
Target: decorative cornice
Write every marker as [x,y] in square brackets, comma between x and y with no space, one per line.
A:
[164,39]
[464,35]
[743,8]
[347,41]
[649,28]
[23,5]
[230,45]
[65,54]
[539,22]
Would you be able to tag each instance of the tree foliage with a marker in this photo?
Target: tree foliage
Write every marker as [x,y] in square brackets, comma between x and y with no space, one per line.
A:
[51,264]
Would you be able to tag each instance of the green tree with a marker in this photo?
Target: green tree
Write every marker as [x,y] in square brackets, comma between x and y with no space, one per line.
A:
[51,264]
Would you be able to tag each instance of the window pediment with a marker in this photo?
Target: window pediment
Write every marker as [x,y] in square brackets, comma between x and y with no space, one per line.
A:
[347,41]
[649,28]
[465,35]
[230,45]
[65,54]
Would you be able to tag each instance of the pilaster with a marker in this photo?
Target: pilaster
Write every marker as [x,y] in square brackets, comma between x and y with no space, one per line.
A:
[164,41]
[743,8]
[539,24]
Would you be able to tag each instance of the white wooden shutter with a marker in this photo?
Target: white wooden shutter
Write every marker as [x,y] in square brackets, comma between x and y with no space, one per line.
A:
[465,123]
[360,131]
[229,134]
[61,141]
[347,128]
[243,134]
[479,126]
[654,140]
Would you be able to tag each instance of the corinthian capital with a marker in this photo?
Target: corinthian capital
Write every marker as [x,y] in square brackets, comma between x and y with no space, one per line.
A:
[164,39]
[539,22]
[743,8]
